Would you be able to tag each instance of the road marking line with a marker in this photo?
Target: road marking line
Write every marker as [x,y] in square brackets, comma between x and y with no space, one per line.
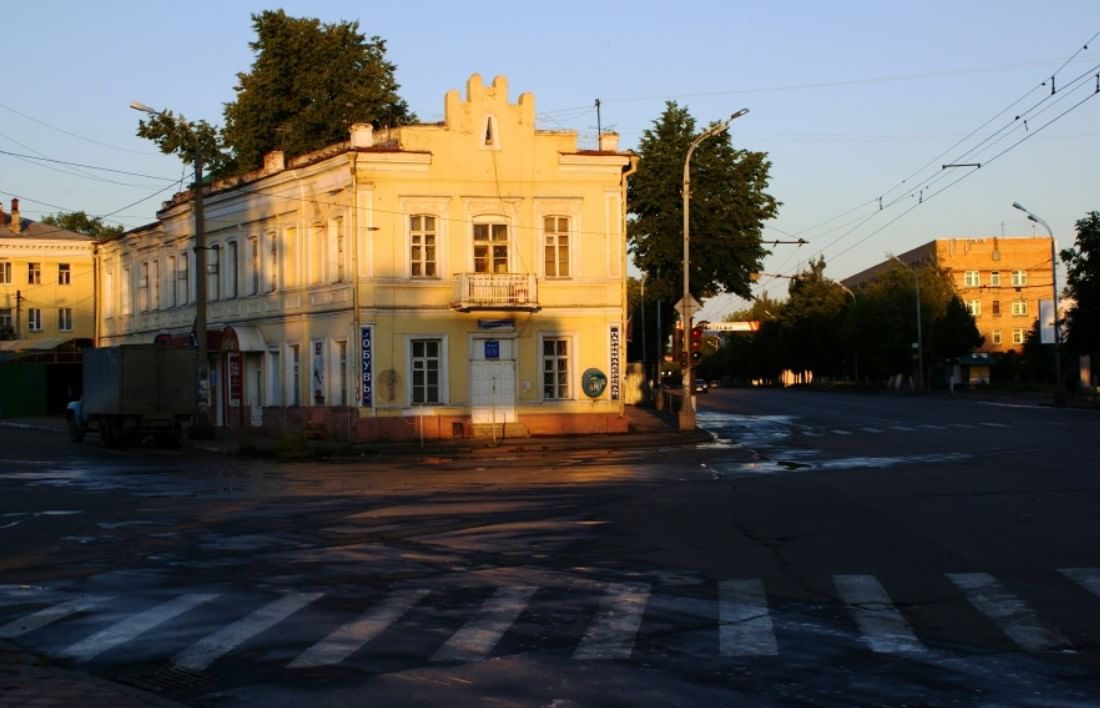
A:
[1015,618]
[350,638]
[48,615]
[744,625]
[903,428]
[134,626]
[883,626]
[611,634]
[970,426]
[475,639]
[837,431]
[1088,578]
[933,426]
[871,430]
[210,648]
[994,425]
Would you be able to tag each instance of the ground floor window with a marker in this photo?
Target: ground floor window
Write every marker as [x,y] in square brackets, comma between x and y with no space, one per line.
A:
[555,368]
[425,363]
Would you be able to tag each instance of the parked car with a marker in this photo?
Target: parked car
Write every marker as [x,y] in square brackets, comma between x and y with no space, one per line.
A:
[701,386]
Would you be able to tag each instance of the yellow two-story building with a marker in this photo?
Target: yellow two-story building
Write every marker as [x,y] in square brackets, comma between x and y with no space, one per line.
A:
[428,280]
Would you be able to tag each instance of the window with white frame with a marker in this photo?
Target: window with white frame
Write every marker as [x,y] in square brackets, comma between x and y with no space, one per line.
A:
[183,280]
[336,268]
[64,274]
[317,236]
[555,230]
[425,370]
[1019,335]
[170,291]
[7,324]
[317,372]
[271,276]
[108,292]
[274,381]
[232,270]
[974,307]
[995,278]
[556,369]
[294,371]
[491,248]
[154,276]
[213,272]
[996,336]
[34,319]
[342,370]
[125,303]
[422,245]
[5,272]
[65,319]
[290,257]
[972,279]
[253,265]
[143,287]
[1019,278]
[1019,307]
[34,273]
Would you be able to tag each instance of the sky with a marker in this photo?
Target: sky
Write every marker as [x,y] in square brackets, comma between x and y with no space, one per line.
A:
[858,103]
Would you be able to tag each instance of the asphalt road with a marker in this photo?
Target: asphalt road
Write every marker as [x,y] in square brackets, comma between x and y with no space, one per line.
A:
[825,549]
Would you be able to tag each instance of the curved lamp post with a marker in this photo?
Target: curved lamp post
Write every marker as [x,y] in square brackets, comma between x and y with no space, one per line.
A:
[1058,394]
[687,404]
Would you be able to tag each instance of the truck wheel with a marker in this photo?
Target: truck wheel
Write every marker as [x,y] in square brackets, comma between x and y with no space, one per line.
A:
[76,433]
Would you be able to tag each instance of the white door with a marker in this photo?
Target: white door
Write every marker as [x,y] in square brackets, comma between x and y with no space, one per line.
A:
[493,381]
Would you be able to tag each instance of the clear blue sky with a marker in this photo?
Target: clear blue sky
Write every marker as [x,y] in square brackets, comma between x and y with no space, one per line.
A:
[849,98]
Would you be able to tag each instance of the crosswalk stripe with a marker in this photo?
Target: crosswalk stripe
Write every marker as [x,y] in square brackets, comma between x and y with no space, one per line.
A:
[477,637]
[745,626]
[134,626]
[995,425]
[1015,618]
[207,650]
[1088,578]
[611,634]
[933,426]
[838,431]
[883,626]
[871,430]
[903,428]
[351,637]
[47,615]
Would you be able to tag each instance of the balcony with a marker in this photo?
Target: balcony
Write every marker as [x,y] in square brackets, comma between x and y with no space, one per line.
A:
[496,291]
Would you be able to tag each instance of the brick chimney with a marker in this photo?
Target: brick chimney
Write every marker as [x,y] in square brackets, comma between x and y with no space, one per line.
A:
[16,219]
[3,216]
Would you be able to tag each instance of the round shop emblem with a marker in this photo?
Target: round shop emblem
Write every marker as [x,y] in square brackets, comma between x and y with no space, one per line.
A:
[593,381]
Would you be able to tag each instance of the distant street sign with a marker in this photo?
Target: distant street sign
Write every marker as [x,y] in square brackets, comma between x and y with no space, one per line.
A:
[692,306]
[748,326]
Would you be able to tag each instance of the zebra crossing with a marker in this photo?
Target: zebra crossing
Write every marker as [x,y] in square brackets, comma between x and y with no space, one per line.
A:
[743,623]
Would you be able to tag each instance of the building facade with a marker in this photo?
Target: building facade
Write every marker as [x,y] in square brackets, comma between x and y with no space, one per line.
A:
[426,280]
[1001,280]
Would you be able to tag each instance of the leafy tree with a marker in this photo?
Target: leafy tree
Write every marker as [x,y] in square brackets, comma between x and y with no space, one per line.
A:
[175,135]
[309,82]
[1083,286]
[728,207]
[81,223]
[812,322]
[954,333]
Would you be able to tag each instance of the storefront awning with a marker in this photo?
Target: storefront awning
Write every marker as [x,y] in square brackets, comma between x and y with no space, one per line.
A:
[243,338]
[37,344]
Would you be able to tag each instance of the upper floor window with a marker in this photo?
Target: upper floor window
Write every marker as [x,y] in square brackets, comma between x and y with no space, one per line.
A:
[290,257]
[337,269]
[972,279]
[143,287]
[556,246]
[34,273]
[974,307]
[125,303]
[254,265]
[154,286]
[183,280]
[995,278]
[232,269]
[1019,335]
[491,248]
[1019,307]
[1019,278]
[171,292]
[996,308]
[271,277]
[213,269]
[64,274]
[5,272]
[422,243]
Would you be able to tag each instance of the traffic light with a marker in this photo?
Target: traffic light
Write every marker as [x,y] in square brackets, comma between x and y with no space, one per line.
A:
[696,343]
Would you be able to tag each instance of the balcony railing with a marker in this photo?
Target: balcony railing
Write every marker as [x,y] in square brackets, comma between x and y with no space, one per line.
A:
[496,291]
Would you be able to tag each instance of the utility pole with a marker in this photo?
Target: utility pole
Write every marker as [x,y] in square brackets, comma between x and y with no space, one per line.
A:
[18,313]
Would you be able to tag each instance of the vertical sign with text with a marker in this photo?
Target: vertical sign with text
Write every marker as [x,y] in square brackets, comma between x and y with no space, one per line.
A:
[366,349]
[615,349]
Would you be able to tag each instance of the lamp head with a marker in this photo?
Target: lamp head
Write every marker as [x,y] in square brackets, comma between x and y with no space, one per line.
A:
[139,106]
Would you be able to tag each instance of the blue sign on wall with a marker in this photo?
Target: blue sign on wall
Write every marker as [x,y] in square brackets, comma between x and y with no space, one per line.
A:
[367,354]
[492,349]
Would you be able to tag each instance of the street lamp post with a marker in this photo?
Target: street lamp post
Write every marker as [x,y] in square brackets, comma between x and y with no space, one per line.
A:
[920,337]
[1058,393]
[201,364]
[687,404]
[855,349]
